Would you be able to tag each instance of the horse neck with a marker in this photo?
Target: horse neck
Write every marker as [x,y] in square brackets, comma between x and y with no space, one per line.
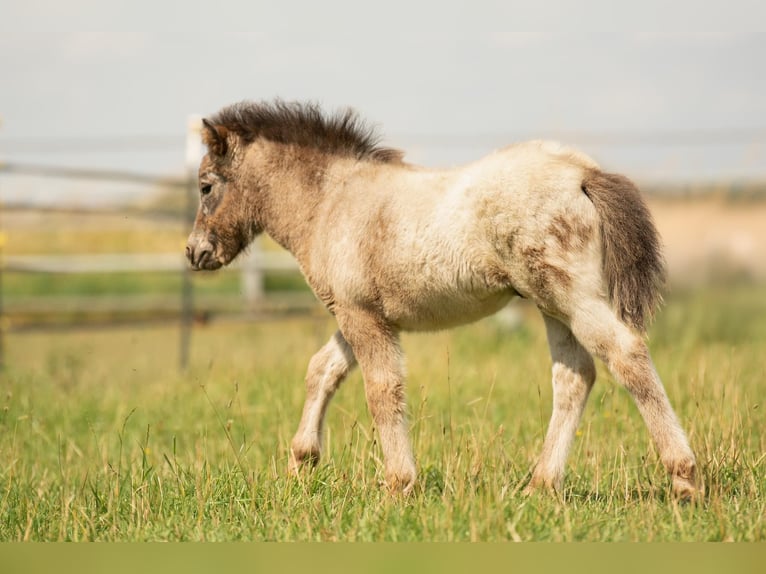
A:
[289,183]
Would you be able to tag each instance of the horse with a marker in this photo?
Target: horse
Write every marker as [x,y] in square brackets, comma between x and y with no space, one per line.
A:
[388,246]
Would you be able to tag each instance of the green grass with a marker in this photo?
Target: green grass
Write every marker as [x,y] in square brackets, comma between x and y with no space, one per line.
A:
[16,284]
[102,438]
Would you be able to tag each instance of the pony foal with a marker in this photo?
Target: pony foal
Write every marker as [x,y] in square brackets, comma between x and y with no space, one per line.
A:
[388,246]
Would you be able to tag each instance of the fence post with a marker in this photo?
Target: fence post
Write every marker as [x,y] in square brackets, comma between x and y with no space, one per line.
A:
[193,153]
[252,277]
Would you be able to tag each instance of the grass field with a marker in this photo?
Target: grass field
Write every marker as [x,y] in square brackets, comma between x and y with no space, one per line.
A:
[102,438]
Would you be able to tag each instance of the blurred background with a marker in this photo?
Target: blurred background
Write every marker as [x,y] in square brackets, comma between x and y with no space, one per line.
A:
[98,149]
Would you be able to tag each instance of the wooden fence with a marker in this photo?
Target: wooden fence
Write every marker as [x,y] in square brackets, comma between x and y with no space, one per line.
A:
[252,267]
[259,262]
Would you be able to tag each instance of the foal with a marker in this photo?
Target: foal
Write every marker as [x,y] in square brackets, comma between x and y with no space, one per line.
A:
[388,247]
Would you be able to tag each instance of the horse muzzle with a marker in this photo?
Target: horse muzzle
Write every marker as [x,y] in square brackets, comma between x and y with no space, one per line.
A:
[200,252]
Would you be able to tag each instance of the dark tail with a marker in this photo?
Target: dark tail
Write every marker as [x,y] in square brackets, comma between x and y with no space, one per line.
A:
[632,254]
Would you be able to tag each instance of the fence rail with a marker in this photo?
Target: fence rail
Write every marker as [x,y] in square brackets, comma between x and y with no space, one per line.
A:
[86,174]
[252,267]
[258,261]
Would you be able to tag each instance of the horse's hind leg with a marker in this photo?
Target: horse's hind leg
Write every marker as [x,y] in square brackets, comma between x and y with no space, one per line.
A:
[326,371]
[573,377]
[625,353]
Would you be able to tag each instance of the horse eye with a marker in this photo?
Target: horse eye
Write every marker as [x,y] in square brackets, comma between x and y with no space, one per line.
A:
[205,189]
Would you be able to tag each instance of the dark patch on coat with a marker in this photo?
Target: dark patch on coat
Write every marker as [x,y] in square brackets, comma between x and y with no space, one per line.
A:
[570,233]
[632,256]
[544,277]
[636,373]
[301,124]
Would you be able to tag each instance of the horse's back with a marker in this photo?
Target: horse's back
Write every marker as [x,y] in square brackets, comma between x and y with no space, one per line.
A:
[537,229]
[433,249]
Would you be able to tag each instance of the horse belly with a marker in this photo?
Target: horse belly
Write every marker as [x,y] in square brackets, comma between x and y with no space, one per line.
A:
[435,311]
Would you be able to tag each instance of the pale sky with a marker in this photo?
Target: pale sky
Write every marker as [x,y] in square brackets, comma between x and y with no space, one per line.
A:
[655,89]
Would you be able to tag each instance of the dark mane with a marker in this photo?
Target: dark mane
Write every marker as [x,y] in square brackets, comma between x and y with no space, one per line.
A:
[304,124]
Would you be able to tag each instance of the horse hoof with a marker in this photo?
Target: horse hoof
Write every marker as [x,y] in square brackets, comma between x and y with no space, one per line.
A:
[302,458]
[687,490]
[400,483]
[539,484]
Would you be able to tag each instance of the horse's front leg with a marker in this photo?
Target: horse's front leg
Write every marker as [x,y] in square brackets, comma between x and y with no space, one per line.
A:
[326,372]
[376,347]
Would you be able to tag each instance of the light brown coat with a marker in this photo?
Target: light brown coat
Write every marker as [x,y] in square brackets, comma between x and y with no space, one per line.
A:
[388,247]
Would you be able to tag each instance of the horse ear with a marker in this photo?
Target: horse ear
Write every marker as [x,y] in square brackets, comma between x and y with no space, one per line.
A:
[214,137]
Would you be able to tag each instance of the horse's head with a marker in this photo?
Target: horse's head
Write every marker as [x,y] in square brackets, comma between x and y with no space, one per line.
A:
[224,225]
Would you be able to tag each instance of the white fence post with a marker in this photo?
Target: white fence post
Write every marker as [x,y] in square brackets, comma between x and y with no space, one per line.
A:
[252,276]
